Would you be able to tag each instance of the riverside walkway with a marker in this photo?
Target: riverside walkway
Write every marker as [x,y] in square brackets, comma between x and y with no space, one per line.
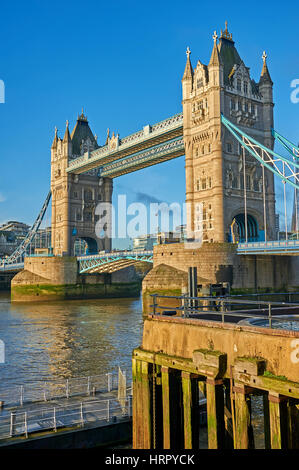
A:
[52,406]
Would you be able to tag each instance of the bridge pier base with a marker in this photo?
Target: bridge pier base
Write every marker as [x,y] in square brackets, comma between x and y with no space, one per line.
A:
[47,278]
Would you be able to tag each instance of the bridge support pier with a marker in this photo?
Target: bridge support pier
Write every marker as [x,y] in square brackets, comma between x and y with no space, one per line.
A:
[47,278]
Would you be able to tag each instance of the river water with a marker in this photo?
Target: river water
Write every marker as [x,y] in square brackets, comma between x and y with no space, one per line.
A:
[49,341]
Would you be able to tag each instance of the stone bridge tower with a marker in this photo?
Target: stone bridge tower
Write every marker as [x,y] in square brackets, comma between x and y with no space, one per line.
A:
[214,162]
[75,197]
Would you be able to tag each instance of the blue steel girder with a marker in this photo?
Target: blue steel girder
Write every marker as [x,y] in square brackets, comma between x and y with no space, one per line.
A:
[111,262]
[158,154]
[18,255]
[148,137]
[285,169]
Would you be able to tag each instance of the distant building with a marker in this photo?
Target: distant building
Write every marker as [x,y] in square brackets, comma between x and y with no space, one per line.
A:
[12,234]
[14,226]
[181,230]
[168,237]
[144,242]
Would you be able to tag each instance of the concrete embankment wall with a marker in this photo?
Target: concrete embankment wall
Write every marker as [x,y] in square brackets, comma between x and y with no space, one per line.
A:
[57,278]
[217,263]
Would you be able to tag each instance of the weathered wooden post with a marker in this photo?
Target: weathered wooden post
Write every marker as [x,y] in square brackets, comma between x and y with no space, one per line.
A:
[266,421]
[278,420]
[142,408]
[146,405]
[243,430]
[190,410]
[293,424]
[166,408]
[215,413]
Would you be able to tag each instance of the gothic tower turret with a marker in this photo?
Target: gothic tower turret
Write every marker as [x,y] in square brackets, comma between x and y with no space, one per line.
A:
[214,163]
[75,197]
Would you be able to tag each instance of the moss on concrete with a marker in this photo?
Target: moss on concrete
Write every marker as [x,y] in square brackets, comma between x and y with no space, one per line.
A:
[46,292]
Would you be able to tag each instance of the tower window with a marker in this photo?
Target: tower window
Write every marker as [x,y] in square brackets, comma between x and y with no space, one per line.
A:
[245,87]
[87,195]
[204,183]
[229,147]
[239,84]
[248,182]
[199,83]
[232,104]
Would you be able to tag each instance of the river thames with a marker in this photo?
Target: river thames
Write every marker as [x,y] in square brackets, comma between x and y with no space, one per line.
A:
[49,341]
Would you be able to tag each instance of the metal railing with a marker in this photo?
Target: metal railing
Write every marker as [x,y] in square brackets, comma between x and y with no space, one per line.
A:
[269,246]
[52,390]
[65,416]
[193,307]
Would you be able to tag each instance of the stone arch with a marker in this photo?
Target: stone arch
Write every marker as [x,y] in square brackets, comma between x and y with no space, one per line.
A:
[240,227]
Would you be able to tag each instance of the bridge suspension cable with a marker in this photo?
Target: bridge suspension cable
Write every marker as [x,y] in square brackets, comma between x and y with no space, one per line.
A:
[18,255]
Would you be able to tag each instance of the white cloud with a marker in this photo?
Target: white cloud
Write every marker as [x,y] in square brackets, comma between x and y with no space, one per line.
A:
[2,198]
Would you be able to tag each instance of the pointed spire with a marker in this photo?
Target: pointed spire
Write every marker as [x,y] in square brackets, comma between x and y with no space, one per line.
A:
[55,140]
[82,117]
[215,57]
[67,137]
[108,136]
[225,34]
[188,74]
[265,75]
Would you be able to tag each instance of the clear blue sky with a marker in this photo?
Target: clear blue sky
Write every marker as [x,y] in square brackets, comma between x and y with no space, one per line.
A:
[123,61]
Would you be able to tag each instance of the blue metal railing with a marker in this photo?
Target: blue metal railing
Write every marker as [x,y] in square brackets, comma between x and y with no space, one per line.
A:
[275,246]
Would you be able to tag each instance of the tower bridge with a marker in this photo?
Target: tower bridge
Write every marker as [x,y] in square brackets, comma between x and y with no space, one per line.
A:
[226,132]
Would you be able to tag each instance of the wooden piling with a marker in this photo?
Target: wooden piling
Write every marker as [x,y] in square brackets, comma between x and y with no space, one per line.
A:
[243,438]
[191,410]
[146,405]
[215,413]
[278,420]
